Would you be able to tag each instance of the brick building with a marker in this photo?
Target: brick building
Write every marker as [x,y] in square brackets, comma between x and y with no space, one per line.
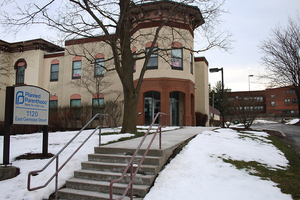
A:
[176,82]
[281,100]
[253,101]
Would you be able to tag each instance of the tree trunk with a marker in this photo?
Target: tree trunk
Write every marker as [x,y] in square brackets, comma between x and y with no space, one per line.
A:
[297,89]
[130,110]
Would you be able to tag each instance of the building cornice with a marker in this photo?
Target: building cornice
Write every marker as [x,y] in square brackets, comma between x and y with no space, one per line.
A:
[28,45]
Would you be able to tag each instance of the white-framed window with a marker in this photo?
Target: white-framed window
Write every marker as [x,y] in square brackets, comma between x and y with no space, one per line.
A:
[76,69]
[99,67]
[177,58]
[153,61]
[54,72]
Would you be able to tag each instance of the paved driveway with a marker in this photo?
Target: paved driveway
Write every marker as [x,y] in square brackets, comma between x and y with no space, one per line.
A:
[292,132]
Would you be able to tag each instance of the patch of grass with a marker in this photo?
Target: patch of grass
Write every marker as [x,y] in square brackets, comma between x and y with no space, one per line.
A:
[288,179]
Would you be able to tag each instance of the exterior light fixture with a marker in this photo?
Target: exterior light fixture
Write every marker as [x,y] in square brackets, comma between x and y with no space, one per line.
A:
[212,70]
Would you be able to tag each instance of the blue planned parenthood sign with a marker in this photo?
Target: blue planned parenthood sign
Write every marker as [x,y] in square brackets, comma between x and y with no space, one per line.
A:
[31,106]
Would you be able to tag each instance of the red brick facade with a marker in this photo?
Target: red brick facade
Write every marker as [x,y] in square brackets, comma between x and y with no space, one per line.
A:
[165,86]
[281,100]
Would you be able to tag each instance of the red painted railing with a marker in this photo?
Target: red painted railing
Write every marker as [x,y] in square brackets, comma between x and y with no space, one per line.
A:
[56,157]
[130,164]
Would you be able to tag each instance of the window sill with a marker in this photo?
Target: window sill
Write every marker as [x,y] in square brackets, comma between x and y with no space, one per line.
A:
[177,68]
[77,77]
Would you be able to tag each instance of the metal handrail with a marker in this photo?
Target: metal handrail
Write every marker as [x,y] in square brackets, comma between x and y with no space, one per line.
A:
[130,164]
[56,157]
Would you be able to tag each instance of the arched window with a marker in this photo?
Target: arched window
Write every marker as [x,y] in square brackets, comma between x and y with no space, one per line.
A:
[53,103]
[76,67]
[98,103]
[177,56]
[99,65]
[20,67]
[153,61]
[54,70]
[134,57]
[75,102]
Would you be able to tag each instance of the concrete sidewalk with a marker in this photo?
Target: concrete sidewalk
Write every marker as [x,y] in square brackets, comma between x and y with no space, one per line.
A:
[170,139]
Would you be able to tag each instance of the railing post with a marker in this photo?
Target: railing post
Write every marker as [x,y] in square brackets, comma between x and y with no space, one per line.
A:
[56,179]
[160,137]
[131,179]
[100,116]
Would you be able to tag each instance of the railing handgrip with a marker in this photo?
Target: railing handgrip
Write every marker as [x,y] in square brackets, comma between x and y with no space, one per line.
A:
[58,169]
[134,155]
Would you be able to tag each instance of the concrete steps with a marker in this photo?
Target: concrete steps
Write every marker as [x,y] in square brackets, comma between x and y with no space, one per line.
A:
[106,164]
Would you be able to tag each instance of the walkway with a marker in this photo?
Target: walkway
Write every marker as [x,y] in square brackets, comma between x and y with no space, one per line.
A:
[170,139]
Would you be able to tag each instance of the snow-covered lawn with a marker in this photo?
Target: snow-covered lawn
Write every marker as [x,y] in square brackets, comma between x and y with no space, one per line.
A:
[198,172]
[16,188]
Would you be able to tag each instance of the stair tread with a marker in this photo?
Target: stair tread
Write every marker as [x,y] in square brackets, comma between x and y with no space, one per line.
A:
[111,173]
[122,155]
[92,194]
[116,164]
[106,183]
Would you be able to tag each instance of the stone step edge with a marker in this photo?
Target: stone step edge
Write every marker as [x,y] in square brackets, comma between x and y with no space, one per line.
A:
[91,194]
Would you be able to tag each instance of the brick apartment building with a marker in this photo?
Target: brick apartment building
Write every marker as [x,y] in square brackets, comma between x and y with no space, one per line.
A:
[281,100]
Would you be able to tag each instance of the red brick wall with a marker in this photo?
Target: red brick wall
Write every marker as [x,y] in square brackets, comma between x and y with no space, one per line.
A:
[280,95]
[165,86]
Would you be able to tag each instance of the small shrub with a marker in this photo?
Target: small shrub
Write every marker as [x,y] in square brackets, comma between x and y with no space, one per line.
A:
[201,119]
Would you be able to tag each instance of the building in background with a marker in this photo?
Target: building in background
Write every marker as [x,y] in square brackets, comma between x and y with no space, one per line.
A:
[280,101]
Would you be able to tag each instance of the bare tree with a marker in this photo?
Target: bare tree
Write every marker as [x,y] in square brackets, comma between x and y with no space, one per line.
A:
[6,71]
[246,110]
[117,21]
[281,56]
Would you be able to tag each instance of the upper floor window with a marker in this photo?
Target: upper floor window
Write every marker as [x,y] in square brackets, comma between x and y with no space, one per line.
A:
[192,63]
[54,70]
[272,96]
[134,57]
[99,67]
[20,74]
[177,58]
[20,67]
[295,101]
[272,103]
[153,60]
[76,67]
[290,91]
[287,101]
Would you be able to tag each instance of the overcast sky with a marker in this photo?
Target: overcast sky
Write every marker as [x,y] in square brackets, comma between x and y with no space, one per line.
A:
[250,21]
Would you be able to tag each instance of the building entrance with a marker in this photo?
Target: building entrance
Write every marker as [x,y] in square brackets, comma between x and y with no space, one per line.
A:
[151,106]
[174,108]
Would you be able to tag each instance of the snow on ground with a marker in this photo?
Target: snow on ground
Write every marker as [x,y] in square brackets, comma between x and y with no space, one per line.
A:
[16,188]
[263,121]
[199,172]
[293,121]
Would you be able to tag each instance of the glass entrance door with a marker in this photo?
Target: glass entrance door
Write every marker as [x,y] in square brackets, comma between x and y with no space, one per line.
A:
[174,108]
[151,106]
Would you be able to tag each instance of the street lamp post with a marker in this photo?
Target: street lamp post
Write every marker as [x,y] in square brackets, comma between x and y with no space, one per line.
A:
[212,70]
[249,80]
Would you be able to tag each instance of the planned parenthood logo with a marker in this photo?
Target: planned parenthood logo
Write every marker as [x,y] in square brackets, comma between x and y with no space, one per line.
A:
[19,97]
